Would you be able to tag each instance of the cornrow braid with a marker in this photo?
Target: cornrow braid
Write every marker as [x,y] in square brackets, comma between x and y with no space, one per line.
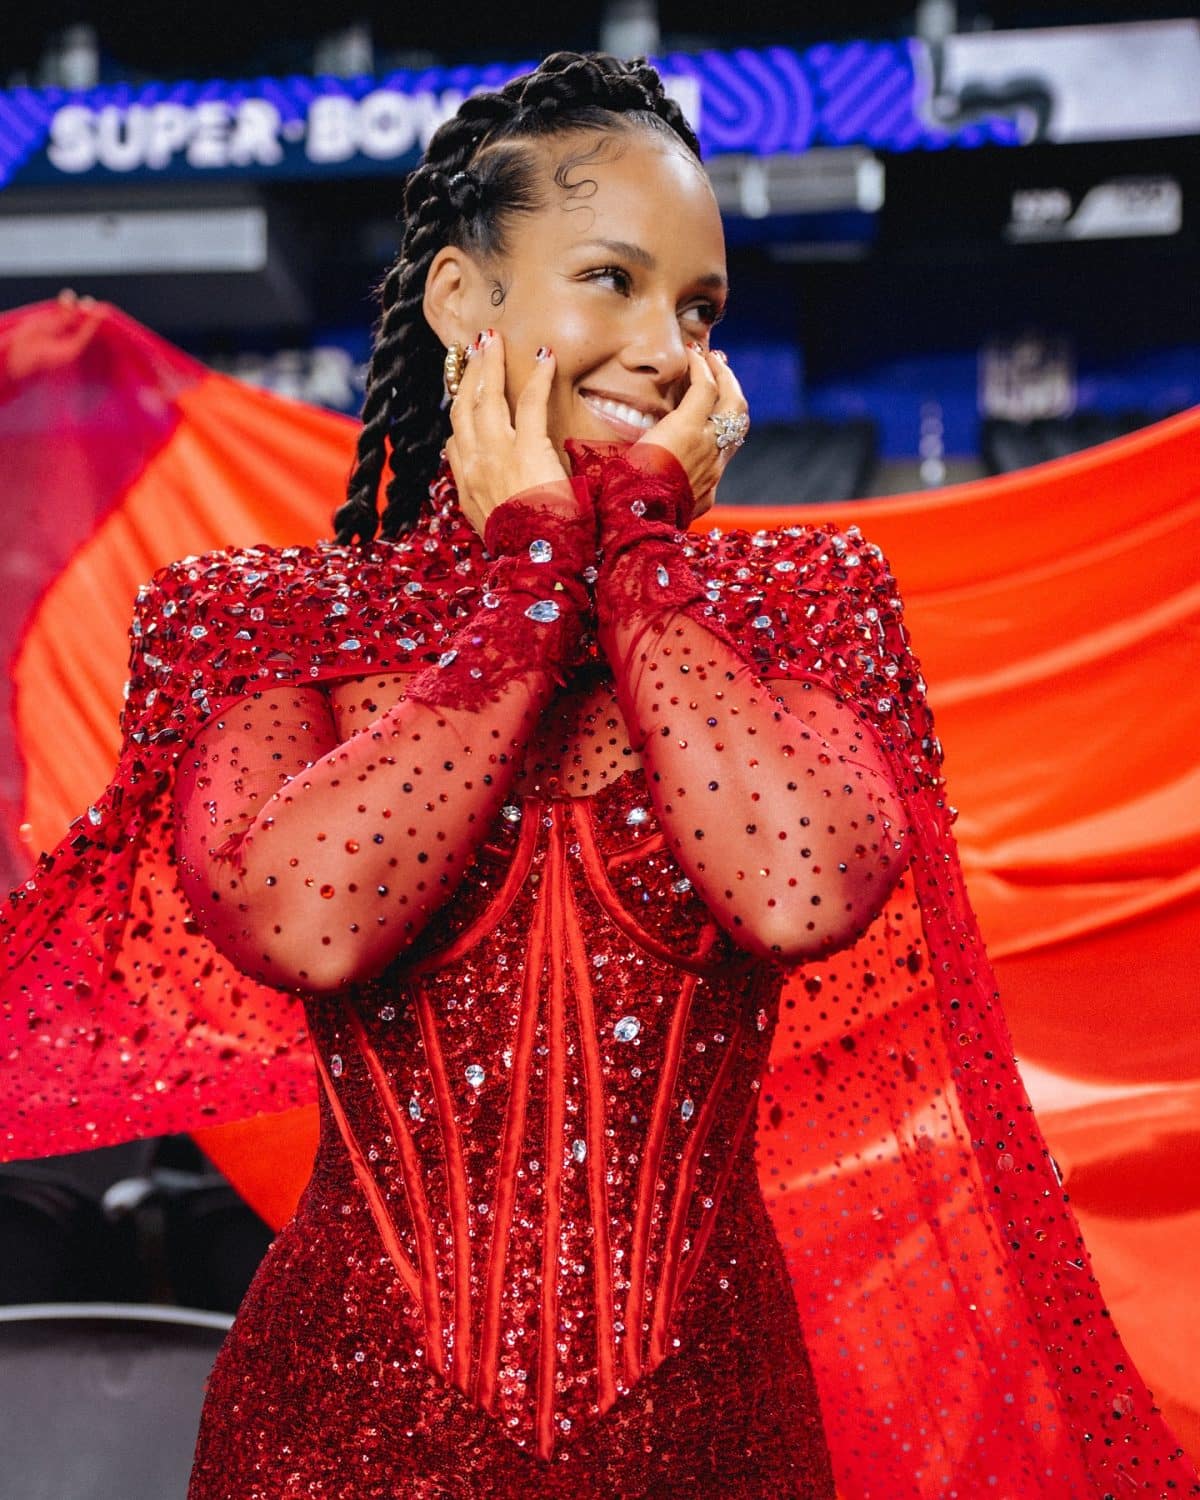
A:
[404,425]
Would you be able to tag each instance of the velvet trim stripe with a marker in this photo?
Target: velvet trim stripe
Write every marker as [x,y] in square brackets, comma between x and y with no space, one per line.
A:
[414,1188]
[456,1190]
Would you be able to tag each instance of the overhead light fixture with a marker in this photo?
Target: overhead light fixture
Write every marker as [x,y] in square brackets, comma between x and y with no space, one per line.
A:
[133,241]
[827,179]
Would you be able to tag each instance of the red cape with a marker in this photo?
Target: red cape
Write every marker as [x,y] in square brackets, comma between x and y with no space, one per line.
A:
[99,1048]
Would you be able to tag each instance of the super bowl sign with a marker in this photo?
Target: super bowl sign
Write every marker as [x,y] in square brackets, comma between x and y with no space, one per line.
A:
[753,101]
[218,134]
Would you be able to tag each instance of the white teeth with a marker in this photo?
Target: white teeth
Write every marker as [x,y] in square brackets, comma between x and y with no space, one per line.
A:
[630,414]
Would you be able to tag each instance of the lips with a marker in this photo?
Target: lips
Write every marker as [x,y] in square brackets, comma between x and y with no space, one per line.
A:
[631,420]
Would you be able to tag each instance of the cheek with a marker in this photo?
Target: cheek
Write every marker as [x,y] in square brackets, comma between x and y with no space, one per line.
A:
[575,328]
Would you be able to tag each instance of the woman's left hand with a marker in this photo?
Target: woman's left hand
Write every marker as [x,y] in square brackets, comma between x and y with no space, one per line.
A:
[688,434]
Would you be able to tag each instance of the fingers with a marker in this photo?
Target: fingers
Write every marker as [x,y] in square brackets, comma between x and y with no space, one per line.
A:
[730,396]
[495,454]
[493,424]
[469,432]
[478,378]
[699,400]
[531,415]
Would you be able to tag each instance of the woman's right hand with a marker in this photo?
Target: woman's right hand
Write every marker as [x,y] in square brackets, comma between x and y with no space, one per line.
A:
[494,455]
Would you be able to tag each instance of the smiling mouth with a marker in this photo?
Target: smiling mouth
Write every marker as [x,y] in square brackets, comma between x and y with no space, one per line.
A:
[619,414]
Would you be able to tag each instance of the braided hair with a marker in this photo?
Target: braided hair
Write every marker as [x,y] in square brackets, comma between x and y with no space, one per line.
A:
[475,175]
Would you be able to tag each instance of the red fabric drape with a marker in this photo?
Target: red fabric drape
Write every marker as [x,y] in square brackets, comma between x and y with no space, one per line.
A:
[1056,614]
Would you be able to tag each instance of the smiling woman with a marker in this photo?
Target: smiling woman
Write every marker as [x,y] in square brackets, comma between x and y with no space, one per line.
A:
[534,802]
[617,312]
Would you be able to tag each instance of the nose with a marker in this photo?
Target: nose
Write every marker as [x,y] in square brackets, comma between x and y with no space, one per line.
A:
[657,346]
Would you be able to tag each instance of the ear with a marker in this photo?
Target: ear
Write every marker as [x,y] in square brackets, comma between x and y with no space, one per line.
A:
[454,296]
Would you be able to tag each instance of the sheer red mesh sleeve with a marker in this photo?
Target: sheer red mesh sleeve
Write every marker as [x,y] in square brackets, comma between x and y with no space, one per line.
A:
[781,809]
[312,863]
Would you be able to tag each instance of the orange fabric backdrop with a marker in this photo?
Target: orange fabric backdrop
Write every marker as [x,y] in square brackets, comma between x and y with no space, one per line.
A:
[1057,616]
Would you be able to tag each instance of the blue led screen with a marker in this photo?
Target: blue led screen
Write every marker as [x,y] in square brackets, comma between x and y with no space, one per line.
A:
[758,101]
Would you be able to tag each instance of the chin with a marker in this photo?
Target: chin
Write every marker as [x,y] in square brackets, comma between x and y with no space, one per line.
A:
[587,432]
[592,433]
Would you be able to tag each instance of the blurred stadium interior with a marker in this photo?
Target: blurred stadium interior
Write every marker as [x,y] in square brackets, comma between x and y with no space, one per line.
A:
[939,218]
[963,239]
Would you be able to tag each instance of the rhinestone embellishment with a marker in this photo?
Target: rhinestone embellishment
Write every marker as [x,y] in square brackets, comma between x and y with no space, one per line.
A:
[544,611]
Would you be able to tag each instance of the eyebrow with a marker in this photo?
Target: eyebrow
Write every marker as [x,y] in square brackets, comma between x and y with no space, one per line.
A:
[640,257]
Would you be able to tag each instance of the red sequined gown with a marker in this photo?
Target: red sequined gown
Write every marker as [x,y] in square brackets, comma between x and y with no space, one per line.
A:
[534,1256]
[539,833]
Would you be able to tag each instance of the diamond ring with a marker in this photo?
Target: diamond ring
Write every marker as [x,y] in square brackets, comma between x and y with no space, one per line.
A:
[730,427]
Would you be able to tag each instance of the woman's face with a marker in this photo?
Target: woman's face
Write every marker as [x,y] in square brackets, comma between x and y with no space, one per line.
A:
[617,281]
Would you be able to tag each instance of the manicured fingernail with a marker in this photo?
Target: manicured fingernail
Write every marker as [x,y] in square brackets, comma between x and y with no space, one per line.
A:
[543,353]
[722,356]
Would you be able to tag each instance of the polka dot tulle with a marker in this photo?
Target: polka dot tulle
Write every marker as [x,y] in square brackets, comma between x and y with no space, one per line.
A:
[671,1139]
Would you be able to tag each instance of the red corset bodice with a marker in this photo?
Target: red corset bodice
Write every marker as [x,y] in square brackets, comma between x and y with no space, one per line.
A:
[545,1105]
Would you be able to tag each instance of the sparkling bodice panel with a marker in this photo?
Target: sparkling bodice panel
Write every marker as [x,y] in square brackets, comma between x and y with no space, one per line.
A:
[545,1106]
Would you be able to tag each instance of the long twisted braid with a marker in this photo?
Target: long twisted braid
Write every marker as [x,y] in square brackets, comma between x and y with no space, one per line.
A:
[445,205]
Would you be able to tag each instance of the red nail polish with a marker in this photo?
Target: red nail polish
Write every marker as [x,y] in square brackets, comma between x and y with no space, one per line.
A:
[543,353]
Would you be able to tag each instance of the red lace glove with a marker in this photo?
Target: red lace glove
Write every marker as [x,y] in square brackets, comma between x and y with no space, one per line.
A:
[642,499]
[314,863]
[782,813]
[535,602]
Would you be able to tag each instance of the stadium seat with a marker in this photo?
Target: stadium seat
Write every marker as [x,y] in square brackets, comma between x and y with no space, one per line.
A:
[101,1401]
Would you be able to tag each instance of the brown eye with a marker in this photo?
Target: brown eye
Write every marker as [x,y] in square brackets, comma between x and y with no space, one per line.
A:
[621,280]
[706,313]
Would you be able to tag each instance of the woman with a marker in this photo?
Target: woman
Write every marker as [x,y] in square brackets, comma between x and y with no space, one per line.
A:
[541,1251]
[534,803]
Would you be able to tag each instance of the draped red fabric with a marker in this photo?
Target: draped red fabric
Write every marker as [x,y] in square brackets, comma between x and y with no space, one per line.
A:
[1054,614]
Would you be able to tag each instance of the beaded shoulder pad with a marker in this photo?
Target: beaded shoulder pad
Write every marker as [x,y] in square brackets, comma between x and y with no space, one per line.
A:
[822,603]
[208,630]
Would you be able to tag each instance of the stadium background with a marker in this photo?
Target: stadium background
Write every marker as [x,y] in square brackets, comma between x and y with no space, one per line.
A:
[962,241]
